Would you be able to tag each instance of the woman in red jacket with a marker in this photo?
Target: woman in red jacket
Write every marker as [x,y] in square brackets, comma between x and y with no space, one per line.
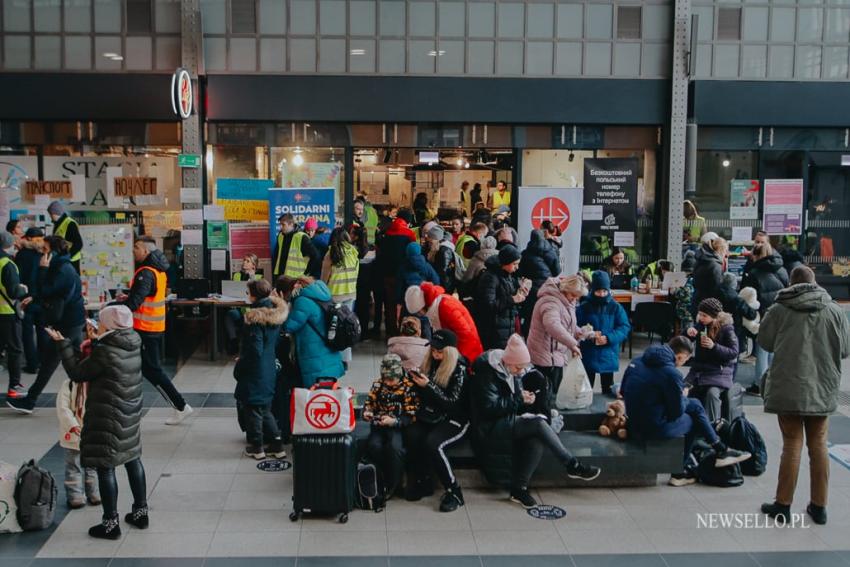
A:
[445,311]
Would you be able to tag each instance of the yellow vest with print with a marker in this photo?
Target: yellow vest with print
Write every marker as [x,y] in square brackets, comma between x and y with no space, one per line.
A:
[343,280]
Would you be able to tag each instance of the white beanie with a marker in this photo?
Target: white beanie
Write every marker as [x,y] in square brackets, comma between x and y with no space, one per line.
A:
[414,299]
[516,353]
[115,317]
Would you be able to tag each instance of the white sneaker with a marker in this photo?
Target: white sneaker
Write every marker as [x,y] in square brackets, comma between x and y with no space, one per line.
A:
[179,416]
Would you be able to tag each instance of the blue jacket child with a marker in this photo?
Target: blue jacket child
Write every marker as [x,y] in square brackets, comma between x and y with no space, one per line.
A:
[255,371]
[608,318]
[306,323]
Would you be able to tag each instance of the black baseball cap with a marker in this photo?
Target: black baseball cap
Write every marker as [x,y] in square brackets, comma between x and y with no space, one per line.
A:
[34,232]
[443,338]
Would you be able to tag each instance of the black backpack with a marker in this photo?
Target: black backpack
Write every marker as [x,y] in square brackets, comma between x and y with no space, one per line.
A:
[742,435]
[343,326]
[370,495]
[708,473]
[35,496]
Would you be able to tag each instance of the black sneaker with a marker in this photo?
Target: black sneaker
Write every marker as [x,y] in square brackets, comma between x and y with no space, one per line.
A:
[276,449]
[138,517]
[683,479]
[106,529]
[730,457]
[522,497]
[451,500]
[817,513]
[255,452]
[754,390]
[23,406]
[580,471]
[777,511]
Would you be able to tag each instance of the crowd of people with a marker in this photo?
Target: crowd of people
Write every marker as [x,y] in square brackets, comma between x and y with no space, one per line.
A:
[478,334]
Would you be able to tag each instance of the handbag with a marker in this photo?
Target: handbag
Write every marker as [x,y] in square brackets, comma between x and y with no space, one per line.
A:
[575,391]
[322,409]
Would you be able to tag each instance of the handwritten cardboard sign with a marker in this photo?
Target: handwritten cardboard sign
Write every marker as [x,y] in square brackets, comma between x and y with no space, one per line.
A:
[53,189]
[135,186]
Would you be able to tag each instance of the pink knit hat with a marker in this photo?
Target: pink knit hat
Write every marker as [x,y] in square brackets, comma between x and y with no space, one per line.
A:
[311,224]
[516,353]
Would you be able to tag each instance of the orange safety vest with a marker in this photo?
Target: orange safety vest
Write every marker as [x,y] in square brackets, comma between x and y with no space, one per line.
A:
[150,316]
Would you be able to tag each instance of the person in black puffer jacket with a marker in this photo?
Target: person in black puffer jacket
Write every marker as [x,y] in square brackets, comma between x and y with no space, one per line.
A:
[765,273]
[441,256]
[111,434]
[708,272]
[539,262]
[735,306]
[442,419]
[497,298]
[509,447]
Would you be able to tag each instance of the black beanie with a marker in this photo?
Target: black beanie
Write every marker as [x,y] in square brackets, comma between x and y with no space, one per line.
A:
[508,255]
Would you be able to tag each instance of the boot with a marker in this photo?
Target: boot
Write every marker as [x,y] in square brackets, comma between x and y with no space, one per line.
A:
[817,513]
[452,499]
[108,528]
[138,517]
[777,511]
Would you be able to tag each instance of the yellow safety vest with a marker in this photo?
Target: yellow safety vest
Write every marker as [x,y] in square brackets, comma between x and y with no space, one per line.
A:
[237,277]
[5,307]
[695,228]
[343,280]
[461,244]
[499,200]
[371,223]
[296,263]
[62,229]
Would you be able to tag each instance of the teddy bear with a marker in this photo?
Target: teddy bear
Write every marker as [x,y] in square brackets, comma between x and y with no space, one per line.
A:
[750,297]
[614,422]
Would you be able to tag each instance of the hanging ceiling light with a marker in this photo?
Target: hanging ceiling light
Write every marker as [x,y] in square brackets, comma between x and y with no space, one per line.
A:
[297,159]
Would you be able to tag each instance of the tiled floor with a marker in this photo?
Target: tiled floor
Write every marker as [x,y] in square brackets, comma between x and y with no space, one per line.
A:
[213,507]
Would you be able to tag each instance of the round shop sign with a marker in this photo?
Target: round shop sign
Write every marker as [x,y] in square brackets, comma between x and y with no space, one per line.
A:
[551,209]
[547,512]
[322,411]
[181,93]
[274,465]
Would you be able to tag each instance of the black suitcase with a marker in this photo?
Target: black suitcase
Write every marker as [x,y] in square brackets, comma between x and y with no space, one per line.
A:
[732,402]
[324,468]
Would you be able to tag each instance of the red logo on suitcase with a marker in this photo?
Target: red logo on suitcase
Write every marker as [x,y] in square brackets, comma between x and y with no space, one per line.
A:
[322,411]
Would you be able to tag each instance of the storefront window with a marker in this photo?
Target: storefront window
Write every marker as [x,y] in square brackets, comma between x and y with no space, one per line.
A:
[716,171]
[311,167]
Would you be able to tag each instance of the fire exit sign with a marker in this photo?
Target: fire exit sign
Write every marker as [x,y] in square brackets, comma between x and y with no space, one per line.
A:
[189,160]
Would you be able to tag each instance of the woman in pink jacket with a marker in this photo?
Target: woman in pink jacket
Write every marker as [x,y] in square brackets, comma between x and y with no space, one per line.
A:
[553,336]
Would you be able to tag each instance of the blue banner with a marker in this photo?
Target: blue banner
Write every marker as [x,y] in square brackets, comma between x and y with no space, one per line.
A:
[302,203]
[243,189]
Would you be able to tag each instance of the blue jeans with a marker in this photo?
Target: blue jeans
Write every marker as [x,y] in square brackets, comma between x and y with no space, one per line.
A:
[693,423]
[763,360]
[75,486]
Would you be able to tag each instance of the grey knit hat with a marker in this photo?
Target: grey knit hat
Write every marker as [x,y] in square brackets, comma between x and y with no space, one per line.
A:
[6,240]
[56,208]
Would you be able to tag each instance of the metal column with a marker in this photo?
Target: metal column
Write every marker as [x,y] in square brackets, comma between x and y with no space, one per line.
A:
[191,60]
[678,126]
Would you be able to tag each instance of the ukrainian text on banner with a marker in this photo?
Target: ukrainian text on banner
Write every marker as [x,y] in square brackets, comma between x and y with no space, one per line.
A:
[610,197]
[562,206]
[302,203]
[243,199]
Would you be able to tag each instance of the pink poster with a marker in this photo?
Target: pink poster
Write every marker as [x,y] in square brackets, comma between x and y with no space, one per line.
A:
[783,206]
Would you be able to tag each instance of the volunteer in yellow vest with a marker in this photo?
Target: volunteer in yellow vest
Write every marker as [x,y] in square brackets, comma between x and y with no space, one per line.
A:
[67,228]
[501,197]
[340,269]
[693,225]
[233,319]
[294,254]
[470,243]
[365,214]
[146,300]
[10,325]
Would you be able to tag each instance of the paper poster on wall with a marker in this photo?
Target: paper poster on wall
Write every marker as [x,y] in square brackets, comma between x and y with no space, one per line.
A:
[106,259]
[744,199]
[217,236]
[301,203]
[242,189]
[562,206]
[783,206]
[192,237]
[250,238]
[742,234]
[312,175]
[192,216]
[218,260]
[624,239]
[190,195]
[213,212]
[610,192]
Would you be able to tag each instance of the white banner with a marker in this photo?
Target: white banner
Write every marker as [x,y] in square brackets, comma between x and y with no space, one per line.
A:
[560,205]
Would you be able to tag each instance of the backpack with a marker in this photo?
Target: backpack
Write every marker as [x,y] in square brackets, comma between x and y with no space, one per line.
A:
[742,435]
[370,496]
[343,326]
[709,474]
[457,265]
[35,496]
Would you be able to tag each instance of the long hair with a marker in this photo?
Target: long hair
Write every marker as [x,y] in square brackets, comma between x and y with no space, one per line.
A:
[57,244]
[445,369]
[762,250]
[286,284]
[339,237]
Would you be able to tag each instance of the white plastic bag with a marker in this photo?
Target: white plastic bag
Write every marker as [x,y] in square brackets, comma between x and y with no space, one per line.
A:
[575,391]
[8,508]
[324,409]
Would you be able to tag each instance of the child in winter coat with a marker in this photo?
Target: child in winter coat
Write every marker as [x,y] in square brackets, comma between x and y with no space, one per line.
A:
[391,405]
[71,409]
[600,353]
[410,346]
[750,297]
